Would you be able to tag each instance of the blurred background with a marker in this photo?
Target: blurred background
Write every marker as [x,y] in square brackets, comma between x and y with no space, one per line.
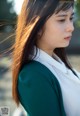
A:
[9,10]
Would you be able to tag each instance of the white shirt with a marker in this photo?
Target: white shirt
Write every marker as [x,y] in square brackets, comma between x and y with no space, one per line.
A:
[69,83]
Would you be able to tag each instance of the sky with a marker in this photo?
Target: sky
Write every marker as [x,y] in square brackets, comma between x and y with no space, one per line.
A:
[17,5]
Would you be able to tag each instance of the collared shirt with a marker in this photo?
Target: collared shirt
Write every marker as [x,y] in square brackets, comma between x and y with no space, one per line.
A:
[69,83]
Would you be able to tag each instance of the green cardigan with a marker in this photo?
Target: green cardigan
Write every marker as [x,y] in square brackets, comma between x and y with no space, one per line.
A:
[39,91]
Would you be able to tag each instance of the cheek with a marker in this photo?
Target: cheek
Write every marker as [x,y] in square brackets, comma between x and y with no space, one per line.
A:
[55,29]
[58,29]
[53,33]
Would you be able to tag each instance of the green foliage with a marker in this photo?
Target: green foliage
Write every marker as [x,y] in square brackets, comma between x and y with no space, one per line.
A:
[77,5]
[6,12]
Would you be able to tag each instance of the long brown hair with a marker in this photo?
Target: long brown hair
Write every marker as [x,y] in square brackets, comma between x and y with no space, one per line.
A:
[33,15]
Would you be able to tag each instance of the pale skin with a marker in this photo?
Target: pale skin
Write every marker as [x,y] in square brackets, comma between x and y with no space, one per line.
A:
[56,29]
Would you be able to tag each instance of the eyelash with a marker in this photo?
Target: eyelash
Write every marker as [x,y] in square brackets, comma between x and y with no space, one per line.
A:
[63,20]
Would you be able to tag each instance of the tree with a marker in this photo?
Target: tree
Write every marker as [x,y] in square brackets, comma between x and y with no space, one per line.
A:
[7,15]
[5,10]
[78,12]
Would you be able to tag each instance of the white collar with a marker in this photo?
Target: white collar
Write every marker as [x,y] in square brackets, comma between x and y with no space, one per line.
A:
[43,56]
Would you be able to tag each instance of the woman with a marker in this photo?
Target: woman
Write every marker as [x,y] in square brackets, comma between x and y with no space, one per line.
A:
[43,80]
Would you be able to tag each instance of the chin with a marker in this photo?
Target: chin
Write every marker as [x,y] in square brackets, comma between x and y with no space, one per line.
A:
[67,44]
[64,46]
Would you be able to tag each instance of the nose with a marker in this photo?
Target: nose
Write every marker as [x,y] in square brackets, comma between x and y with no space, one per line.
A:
[69,26]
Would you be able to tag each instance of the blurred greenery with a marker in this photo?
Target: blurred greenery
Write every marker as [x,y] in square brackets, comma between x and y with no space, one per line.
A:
[7,15]
[7,25]
[77,5]
[6,10]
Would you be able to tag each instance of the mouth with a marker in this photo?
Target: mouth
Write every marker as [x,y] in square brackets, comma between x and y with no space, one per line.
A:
[68,38]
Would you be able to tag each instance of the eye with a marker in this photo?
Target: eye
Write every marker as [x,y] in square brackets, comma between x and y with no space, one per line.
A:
[61,20]
[72,18]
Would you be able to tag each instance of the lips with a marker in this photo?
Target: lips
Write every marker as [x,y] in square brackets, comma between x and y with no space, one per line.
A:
[68,38]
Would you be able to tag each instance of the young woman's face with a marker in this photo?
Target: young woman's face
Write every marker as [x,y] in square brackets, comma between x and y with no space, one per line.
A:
[57,31]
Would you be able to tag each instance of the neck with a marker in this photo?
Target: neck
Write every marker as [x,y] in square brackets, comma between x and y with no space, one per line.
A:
[46,49]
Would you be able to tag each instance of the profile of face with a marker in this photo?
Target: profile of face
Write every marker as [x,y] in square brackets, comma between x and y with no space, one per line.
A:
[57,31]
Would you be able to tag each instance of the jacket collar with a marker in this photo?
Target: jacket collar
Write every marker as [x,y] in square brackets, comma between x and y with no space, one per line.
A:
[54,61]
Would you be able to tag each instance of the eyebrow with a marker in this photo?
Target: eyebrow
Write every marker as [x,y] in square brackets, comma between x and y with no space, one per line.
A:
[64,15]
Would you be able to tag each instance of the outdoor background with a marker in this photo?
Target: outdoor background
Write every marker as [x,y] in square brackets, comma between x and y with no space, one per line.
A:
[9,9]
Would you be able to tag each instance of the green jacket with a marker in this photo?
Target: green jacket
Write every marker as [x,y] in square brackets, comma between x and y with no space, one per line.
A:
[39,91]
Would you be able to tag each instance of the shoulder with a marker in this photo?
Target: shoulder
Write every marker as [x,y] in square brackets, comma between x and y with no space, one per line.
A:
[35,72]
[37,85]
[35,66]
[36,69]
